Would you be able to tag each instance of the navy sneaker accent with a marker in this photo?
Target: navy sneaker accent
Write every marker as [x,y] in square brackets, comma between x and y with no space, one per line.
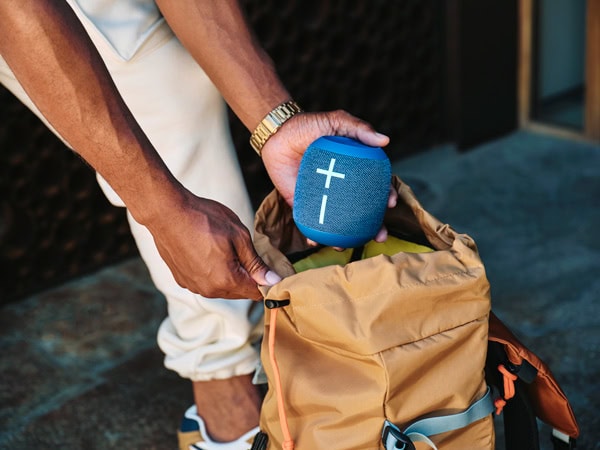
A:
[192,435]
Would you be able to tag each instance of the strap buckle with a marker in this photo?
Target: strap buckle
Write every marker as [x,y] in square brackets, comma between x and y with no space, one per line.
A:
[402,441]
[271,304]
[260,441]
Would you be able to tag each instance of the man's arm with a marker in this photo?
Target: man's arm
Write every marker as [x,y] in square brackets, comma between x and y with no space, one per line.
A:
[218,37]
[59,68]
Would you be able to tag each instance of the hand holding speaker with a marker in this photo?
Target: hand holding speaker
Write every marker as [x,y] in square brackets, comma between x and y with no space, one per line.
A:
[341,192]
[283,151]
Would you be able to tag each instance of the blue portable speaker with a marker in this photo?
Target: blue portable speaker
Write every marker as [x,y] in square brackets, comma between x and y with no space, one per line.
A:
[341,192]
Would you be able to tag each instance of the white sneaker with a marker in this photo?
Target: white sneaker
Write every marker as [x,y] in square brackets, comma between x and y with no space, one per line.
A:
[192,435]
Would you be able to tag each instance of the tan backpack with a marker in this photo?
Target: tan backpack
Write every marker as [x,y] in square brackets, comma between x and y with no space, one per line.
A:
[386,346]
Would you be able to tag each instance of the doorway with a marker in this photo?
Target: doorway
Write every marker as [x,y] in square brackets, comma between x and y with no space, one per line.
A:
[559,66]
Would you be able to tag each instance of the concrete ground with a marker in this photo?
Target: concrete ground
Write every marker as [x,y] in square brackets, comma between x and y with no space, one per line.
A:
[80,368]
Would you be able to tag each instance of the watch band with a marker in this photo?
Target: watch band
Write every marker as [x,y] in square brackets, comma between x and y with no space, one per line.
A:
[271,123]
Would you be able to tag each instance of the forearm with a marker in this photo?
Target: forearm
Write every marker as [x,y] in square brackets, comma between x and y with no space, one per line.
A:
[60,69]
[217,36]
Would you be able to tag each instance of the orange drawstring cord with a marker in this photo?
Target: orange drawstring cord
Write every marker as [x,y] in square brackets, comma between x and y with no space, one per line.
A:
[288,442]
[509,388]
[509,382]
[499,403]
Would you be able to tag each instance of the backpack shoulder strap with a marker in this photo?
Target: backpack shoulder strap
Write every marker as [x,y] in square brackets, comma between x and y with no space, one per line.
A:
[520,425]
[536,392]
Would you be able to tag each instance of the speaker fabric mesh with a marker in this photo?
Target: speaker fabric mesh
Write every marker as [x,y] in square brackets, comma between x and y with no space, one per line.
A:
[354,205]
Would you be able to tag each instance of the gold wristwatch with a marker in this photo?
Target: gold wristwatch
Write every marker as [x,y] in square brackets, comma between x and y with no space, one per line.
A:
[271,123]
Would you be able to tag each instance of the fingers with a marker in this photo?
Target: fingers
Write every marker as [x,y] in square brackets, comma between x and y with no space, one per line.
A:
[381,235]
[372,138]
[345,124]
[255,266]
[242,284]
[393,198]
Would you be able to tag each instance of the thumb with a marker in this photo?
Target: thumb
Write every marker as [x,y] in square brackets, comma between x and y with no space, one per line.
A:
[266,277]
[372,138]
[343,123]
[256,267]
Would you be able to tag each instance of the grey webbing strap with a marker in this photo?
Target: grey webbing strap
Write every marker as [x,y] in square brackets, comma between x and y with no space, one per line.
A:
[562,441]
[393,438]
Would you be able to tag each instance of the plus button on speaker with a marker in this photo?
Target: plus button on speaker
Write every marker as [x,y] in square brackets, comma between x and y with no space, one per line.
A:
[341,192]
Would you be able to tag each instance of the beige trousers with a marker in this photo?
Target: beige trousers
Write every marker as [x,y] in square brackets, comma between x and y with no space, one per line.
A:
[185,118]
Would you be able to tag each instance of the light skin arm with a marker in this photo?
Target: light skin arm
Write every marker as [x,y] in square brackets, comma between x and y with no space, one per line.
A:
[58,66]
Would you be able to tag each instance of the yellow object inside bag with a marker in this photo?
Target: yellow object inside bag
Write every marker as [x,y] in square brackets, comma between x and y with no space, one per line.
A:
[328,256]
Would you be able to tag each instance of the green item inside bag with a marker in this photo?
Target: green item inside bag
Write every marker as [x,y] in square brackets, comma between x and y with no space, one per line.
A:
[328,256]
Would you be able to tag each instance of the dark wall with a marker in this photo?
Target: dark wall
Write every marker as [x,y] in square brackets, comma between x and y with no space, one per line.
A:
[482,70]
[55,223]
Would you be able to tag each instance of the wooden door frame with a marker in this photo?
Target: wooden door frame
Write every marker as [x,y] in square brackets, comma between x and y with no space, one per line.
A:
[591,129]
[592,70]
